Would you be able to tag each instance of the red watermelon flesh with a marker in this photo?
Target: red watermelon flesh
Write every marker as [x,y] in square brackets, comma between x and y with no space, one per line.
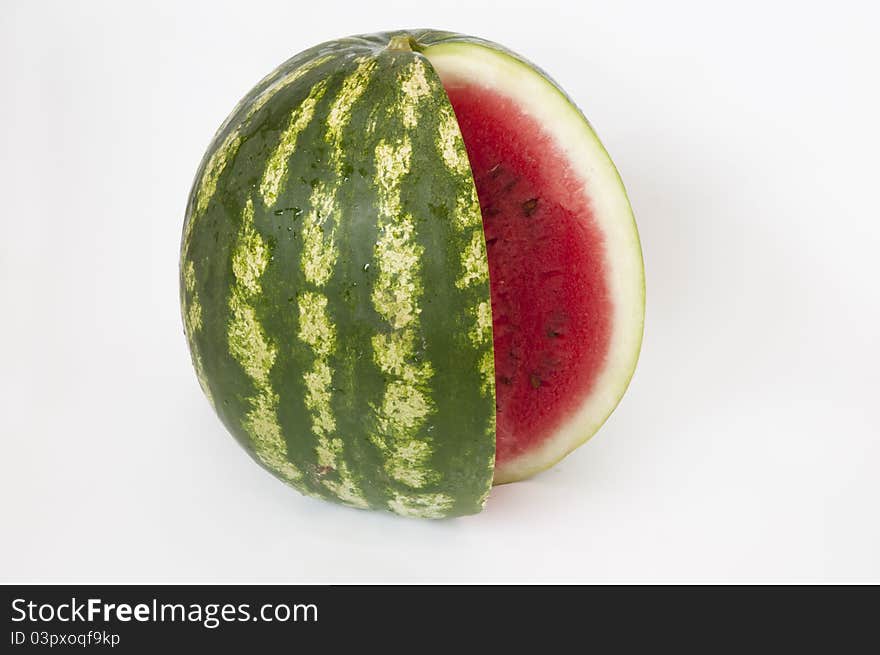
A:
[565,265]
[550,309]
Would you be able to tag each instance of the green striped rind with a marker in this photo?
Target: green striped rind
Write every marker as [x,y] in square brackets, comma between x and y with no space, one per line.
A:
[334,284]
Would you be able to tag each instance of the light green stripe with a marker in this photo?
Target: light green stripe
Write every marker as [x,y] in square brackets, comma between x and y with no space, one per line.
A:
[276,169]
[250,347]
[339,115]
[192,322]
[413,87]
[282,83]
[481,332]
[426,506]
[451,145]
[317,330]
[315,327]
[216,165]
[398,286]
[319,252]
[474,264]
[208,183]
[192,314]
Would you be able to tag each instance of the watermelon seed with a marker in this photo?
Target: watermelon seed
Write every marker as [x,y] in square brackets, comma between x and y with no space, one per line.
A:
[529,206]
[535,380]
[496,170]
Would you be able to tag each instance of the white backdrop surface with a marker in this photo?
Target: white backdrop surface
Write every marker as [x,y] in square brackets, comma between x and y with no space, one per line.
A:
[747,448]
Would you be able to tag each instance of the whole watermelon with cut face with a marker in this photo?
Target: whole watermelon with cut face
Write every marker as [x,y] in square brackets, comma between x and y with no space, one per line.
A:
[409,269]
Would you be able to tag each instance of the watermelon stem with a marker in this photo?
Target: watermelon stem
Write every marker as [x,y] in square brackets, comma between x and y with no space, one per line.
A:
[404,42]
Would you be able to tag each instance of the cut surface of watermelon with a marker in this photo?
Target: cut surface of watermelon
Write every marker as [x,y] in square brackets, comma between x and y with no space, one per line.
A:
[565,264]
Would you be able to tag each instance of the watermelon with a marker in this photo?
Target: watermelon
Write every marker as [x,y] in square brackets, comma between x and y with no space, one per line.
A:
[409,270]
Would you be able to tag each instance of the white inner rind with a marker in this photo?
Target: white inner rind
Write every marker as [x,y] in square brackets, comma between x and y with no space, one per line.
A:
[474,64]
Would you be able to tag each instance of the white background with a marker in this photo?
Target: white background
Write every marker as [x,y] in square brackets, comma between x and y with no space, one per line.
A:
[747,448]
